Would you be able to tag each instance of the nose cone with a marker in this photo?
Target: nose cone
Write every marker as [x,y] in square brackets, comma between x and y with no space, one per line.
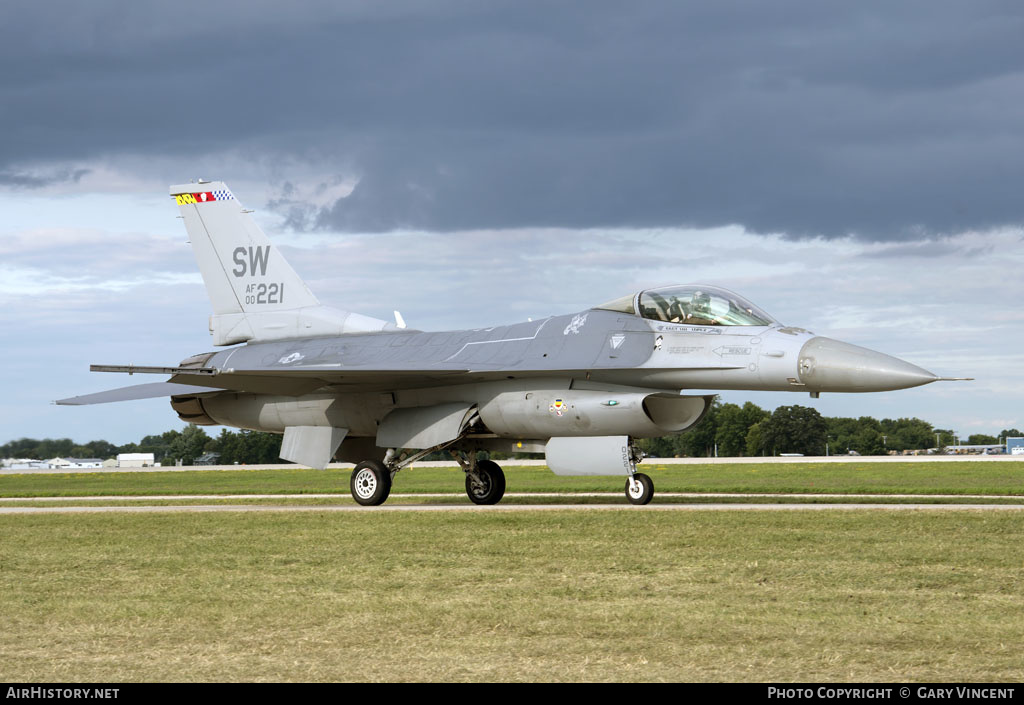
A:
[827,365]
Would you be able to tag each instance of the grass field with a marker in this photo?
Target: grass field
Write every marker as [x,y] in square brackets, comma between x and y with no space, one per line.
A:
[523,595]
[630,596]
[901,478]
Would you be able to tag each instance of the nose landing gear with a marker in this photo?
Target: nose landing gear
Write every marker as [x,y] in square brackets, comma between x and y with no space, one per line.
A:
[639,488]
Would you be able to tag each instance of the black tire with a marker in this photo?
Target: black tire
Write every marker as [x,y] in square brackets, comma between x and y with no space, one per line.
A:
[647,487]
[490,487]
[370,483]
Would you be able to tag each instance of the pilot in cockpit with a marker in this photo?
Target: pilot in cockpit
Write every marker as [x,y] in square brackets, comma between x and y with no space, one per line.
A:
[694,305]
[696,310]
[675,312]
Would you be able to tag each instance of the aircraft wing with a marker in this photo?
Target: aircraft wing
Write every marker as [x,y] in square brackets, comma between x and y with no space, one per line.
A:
[291,381]
[297,381]
[138,391]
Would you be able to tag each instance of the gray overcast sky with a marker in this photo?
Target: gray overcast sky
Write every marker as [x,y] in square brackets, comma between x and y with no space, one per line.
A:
[853,167]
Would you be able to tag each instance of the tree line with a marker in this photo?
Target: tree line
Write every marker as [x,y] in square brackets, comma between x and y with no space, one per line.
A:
[730,429]
[749,430]
[186,445]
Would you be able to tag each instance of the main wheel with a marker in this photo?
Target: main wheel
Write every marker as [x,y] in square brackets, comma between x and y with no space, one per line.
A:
[641,490]
[488,486]
[370,483]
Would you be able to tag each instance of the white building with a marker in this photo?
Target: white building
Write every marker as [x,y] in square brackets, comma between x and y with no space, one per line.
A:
[136,460]
[74,463]
[24,464]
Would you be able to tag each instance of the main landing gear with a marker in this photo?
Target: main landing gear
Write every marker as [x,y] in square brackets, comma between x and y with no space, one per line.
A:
[371,479]
[485,481]
[487,484]
[370,483]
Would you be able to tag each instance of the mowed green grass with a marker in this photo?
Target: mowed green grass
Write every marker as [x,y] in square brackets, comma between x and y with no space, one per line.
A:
[902,478]
[582,595]
[585,595]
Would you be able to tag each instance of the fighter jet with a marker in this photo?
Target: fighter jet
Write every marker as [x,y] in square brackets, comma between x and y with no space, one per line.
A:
[578,388]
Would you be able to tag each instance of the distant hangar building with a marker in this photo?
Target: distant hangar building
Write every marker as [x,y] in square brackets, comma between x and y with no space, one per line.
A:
[74,463]
[136,460]
[1015,446]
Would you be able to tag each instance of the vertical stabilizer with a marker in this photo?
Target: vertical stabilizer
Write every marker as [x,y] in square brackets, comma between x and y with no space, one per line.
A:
[242,270]
[255,293]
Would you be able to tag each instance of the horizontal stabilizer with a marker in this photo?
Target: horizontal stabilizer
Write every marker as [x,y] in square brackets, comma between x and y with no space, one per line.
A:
[138,391]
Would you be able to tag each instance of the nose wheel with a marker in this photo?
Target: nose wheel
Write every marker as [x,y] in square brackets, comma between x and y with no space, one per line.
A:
[639,488]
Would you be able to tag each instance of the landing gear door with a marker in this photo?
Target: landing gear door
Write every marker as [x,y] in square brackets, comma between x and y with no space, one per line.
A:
[424,426]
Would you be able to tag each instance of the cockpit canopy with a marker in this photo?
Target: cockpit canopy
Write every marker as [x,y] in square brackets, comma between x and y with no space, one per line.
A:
[692,304]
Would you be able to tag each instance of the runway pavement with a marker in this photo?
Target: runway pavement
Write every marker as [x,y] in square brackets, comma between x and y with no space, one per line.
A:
[508,495]
[505,507]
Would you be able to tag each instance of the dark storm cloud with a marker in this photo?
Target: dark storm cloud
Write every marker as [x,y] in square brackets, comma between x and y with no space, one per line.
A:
[880,119]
